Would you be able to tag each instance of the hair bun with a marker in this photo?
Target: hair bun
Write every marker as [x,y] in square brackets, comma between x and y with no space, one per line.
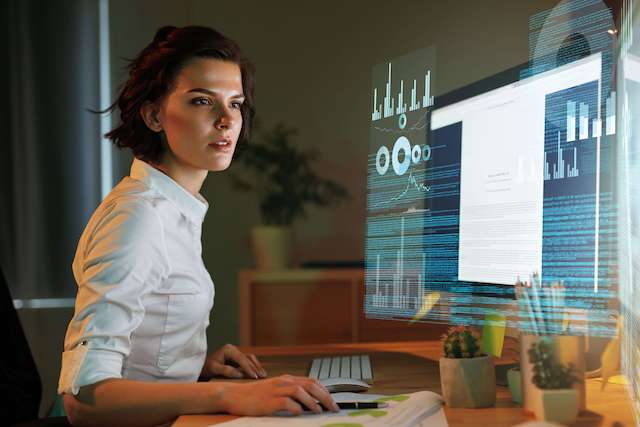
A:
[163,34]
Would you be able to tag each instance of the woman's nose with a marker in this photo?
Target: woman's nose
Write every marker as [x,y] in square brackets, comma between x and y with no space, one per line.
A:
[224,119]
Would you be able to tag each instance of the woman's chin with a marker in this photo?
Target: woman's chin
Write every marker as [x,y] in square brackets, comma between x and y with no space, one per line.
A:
[219,165]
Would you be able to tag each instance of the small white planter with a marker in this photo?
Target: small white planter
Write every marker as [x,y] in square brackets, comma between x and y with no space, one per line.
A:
[468,383]
[558,406]
[272,247]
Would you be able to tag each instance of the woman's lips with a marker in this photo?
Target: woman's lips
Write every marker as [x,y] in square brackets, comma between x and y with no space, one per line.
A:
[221,146]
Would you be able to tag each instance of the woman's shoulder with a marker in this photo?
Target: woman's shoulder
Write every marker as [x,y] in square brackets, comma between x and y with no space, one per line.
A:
[125,227]
[130,192]
[130,206]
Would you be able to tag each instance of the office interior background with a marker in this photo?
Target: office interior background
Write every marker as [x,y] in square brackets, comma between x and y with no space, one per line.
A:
[313,63]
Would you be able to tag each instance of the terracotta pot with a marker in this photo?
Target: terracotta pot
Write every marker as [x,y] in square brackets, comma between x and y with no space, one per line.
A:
[558,406]
[468,383]
[272,247]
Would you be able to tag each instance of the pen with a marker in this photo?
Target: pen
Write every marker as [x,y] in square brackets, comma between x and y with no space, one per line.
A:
[353,405]
[361,405]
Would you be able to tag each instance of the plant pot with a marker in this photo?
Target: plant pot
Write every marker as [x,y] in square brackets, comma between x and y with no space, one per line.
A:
[558,406]
[272,247]
[514,380]
[468,383]
[569,349]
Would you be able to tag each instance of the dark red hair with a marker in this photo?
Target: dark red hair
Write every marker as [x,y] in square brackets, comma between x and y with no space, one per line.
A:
[152,74]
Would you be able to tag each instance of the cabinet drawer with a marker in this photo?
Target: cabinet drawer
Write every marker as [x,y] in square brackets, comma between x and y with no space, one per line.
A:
[301,312]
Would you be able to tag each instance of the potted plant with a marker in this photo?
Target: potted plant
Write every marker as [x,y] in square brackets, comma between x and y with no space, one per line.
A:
[281,175]
[556,400]
[467,377]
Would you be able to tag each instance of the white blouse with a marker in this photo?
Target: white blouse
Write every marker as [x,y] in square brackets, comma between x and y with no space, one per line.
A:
[144,294]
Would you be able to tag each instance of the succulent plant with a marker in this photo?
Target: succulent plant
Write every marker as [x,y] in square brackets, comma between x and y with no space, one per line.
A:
[460,343]
[548,373]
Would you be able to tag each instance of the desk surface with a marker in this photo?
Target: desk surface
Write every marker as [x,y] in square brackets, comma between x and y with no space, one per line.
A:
[412,366]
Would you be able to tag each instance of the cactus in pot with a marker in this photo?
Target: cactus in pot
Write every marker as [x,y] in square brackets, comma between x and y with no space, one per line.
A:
[460,342]
[467,377]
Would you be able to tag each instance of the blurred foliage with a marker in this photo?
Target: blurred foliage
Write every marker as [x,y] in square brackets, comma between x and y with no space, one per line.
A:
[548,373]
[282,177]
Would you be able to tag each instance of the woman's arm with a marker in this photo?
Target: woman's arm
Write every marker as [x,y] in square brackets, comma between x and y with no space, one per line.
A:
[117,402]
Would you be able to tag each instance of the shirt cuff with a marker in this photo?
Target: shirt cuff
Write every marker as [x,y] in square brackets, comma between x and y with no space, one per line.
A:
[83,366]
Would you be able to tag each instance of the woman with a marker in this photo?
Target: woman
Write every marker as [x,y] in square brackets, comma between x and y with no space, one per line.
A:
[136,344]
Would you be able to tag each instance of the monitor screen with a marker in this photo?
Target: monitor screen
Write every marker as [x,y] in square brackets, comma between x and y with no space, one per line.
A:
[507,187]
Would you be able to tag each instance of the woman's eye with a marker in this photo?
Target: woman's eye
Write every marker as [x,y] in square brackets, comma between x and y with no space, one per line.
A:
[201,101]
[236,104]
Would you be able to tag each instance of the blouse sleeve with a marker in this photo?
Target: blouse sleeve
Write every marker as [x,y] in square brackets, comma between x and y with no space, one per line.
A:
[121,257]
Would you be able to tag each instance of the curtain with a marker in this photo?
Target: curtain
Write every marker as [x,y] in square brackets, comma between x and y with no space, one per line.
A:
[50,148]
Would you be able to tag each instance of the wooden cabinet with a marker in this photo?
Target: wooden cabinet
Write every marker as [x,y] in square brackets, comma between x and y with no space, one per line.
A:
[313,306]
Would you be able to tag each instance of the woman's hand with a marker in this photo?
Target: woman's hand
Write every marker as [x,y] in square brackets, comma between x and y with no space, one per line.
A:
[283,393]
[230,362]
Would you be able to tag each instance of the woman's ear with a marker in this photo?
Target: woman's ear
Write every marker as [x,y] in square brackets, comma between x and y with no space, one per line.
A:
[150,113]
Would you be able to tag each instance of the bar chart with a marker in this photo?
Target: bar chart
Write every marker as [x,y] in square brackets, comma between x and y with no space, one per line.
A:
[394,104]
[574,126]
[578,119]
[561,169]
[405,289]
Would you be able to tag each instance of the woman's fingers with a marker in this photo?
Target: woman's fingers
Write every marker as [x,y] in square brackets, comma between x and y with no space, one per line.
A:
[302,396]
[231,352]
[261,371]
[323,396]
[248,363]
[226,371]
[292,406]
[310,392]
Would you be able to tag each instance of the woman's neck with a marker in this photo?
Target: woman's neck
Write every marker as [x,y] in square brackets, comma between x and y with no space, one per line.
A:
[186,176]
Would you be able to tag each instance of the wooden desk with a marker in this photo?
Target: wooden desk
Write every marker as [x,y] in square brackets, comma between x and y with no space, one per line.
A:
[412,366]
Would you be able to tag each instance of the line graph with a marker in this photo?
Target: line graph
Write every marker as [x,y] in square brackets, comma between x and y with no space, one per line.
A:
[420,124]
[412,182]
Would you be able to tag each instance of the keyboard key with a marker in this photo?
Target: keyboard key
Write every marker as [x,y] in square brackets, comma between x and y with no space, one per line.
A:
[355,367]
[335,367]
[345,369]
[365,366]
[314,371]
[325,368]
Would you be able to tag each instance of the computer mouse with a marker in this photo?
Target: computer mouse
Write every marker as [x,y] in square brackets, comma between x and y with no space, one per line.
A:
[336,385]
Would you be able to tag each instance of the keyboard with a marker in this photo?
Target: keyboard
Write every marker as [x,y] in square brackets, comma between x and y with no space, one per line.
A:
[355,366]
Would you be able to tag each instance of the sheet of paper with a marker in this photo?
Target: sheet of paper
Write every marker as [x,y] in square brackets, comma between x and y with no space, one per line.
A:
[493,334]
[421,409]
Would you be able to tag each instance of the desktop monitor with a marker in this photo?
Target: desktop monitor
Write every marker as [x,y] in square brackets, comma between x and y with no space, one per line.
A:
[510,178]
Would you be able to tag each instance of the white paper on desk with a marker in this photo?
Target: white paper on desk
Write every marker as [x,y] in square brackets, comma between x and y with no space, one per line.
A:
[420,409]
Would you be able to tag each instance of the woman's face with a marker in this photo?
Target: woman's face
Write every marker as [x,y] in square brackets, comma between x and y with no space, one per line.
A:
[201,117]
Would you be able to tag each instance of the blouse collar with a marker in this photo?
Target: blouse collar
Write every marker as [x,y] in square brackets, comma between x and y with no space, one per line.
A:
[193,207]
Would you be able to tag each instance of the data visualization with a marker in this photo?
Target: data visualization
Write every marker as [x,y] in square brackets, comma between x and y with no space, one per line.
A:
[399,122]
[413,178]
[467,199]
